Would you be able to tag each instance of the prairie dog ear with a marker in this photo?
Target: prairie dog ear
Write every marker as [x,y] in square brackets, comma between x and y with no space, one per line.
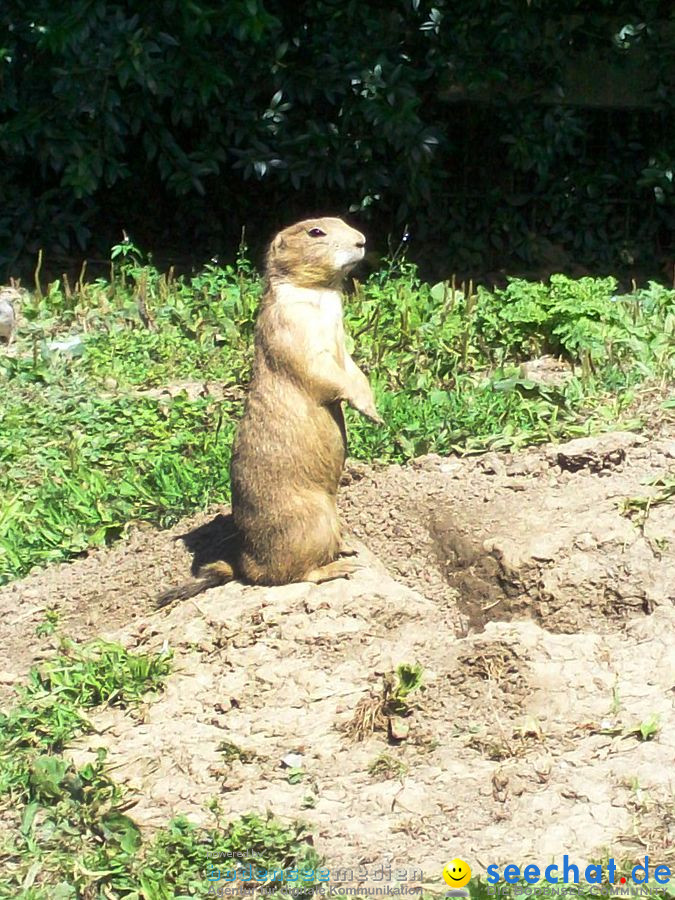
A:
[278,243]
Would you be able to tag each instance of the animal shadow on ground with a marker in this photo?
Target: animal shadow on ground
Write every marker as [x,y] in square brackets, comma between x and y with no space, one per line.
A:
[215,541]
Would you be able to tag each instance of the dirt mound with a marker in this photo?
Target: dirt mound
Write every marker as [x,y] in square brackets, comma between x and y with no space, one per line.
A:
[524,744]
[539,534]
[542,616]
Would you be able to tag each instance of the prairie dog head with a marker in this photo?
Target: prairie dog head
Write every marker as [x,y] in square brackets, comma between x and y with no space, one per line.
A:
[315,253]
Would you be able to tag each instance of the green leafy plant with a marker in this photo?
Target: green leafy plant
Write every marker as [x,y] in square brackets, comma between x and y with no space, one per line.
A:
[138,423]
[387,709]
[49,711]
[73,837]
[648,728]
[50,623]
[398,688]
[231,752]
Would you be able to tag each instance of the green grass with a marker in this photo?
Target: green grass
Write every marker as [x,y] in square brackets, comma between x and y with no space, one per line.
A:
[71,836]
[80,467]
[109,859]
[65,832]
[63,813]
[49,711]
[84,451]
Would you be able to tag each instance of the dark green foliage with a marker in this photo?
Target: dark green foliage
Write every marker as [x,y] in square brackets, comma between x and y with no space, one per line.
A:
[182,122]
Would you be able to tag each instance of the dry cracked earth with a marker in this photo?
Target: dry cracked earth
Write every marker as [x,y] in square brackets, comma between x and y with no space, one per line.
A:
[543,617]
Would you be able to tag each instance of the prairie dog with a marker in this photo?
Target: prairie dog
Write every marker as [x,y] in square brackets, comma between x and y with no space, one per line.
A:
[291,443]
[8,300]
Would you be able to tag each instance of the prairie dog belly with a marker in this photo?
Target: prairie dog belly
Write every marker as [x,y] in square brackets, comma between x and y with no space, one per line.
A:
[317,315]
[327,301]
[286,443]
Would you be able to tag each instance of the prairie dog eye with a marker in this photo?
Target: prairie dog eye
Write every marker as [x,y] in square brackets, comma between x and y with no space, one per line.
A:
[316,232]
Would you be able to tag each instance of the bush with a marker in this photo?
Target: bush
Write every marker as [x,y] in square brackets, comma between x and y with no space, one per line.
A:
[182,122]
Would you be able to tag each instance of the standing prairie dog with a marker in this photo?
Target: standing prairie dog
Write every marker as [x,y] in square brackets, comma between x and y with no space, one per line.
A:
[291,443]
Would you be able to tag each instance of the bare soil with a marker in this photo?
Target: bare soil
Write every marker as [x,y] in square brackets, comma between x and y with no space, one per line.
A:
[544,619]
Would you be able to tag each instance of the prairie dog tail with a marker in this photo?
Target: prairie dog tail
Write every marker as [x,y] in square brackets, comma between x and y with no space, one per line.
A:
[209,576]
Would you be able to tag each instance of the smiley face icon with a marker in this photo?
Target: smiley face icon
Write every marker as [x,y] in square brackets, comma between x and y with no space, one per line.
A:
[456,873]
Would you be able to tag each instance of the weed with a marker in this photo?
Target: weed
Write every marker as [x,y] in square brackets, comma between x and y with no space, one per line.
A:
[102,673]
[648,728]
[50,623]
[387,710]
[89,847]
[247,851]
[637,508]
[407,680]
[500,743]
[615,707]
[49,711]
[73,837]
[295,775]
[231,752]
[386,767]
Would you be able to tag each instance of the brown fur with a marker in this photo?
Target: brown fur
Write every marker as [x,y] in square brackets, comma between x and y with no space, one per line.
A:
[291,443]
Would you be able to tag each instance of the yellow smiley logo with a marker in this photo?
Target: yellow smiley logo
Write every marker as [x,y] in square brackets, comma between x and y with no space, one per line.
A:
[456,873]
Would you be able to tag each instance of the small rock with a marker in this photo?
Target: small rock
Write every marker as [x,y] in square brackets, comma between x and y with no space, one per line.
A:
[523,466]
[451,468]
[292,760]
[491,464]
[399,728]
[8,297]
[594,454]
[517,484]
[428,461]
[544,547]
[585,541]
[547,370]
